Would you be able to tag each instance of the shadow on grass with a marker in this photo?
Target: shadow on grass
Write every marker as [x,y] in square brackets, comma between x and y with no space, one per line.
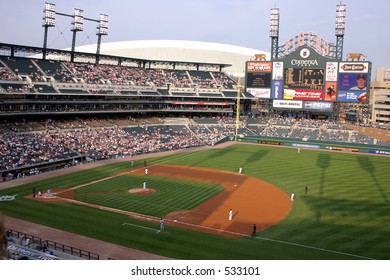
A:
[366,165]
[323,162]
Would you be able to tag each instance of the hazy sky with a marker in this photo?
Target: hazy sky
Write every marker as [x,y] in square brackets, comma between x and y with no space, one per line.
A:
[241,22]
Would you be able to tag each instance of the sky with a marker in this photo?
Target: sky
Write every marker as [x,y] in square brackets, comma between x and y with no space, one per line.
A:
[243,23]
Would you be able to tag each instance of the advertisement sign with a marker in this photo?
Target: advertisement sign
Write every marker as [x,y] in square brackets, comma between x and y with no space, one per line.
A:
[331,71]
[277,90]
[353,67]
[260,92]
[292,104]
[257,66]
[378,152]
[199,103]
[314,105]
[270,142]
[330,91]
[303,94]
[343,149]
[7,197]
[352,81]
[277,71]
[306,146]
[351,96]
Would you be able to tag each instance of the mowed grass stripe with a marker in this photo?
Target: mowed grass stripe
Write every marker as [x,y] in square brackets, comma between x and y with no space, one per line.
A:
[171,194]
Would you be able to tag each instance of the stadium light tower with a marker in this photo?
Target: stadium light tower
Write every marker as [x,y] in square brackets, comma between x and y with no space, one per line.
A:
[78,25]
[340,29]
[102,30]
[274,32]
[49,20]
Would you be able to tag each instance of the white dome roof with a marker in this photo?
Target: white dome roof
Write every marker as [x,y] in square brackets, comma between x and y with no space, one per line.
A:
[176,50]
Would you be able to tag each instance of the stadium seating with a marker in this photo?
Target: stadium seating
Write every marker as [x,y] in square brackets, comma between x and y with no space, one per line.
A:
[80,88]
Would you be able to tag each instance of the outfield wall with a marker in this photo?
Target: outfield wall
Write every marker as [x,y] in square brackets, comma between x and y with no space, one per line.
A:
[316,144]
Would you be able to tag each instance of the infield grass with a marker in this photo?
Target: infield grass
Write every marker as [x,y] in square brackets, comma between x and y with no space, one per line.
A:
[345,214]
[170,194]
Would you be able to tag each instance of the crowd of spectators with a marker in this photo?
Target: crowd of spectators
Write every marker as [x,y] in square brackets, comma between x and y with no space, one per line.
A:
[7,75]
[30,144]
[31,149]
[99,74]
[20,150]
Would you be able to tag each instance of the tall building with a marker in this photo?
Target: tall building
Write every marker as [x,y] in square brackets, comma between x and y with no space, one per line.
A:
[380,96]
[382,74]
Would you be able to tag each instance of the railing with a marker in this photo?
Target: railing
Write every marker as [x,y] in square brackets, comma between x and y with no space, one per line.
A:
[59,247]
[70,250]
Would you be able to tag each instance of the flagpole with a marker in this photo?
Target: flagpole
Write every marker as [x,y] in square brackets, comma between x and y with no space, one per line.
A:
[238,107]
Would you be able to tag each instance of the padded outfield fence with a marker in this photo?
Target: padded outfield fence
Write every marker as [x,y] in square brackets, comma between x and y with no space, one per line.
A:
[316,144]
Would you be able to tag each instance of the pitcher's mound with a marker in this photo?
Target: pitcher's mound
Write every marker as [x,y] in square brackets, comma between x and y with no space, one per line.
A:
[142,191]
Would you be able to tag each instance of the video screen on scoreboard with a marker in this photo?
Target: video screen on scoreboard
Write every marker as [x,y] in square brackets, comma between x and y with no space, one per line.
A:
[258,80]
[303,84]
[304,78]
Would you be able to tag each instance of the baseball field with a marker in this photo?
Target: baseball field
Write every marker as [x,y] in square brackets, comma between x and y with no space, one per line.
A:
[344,214]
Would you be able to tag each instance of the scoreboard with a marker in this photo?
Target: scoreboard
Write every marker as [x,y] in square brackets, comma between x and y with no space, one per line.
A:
[304,78]
[308,80]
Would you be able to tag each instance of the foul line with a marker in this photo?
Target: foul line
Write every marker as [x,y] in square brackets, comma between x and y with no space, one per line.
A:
[204,227]
[172,222]
[128,224]
[314,248]
[262,238]
[277,241]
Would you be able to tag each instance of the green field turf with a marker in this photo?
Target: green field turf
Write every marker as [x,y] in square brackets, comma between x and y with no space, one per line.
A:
[170,194]
[345,214]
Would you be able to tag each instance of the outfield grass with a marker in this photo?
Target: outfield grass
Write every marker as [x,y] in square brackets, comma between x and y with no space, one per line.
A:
[345,214]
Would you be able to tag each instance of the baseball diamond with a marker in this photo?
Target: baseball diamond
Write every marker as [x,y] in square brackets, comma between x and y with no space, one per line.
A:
[193,150]
[335,205]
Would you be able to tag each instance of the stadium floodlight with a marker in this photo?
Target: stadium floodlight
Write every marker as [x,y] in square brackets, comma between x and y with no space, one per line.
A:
[340,19]
[102,29]
[49,15]
[274,23]
[274,32]
[49,20]
[78,20]
[103,25]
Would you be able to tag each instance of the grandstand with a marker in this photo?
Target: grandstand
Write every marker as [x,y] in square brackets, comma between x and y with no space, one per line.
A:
[58,86]
[58,113]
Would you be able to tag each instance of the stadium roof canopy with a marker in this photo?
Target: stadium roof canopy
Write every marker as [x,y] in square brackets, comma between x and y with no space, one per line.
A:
[176,50]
